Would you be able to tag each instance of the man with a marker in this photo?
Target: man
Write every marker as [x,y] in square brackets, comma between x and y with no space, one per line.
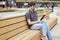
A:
[35,23]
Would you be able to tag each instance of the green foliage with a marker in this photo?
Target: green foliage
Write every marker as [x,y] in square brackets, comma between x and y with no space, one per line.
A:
[8,11]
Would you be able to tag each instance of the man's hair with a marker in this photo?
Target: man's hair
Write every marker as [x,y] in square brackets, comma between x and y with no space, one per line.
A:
[32,4]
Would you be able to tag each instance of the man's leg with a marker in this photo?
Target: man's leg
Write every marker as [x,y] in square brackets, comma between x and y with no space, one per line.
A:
[45,29]
[36,26]
[44,26]
[49,34]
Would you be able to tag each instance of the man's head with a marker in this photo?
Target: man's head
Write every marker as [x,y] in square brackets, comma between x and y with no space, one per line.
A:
[32,5]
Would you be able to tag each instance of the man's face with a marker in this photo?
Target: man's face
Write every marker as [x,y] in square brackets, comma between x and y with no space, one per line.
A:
[33,7]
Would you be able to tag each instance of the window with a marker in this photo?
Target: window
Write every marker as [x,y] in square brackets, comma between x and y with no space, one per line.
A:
[2,0]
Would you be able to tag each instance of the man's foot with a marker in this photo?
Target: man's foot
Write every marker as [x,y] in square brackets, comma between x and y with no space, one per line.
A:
[44,38]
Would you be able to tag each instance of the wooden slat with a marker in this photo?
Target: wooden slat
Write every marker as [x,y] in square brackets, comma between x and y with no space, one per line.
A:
[26,38]
[42,14]
[47,16]
[12,33]
[12,27]
[21,36]
[35,32]
[52,22]
[17,36]
[38,36]
[47,11]
[34,37]
[9,21]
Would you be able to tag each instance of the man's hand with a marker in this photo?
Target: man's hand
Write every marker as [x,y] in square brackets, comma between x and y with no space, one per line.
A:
[44,13]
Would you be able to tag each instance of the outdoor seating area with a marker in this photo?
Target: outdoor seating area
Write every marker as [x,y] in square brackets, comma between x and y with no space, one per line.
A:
[25,20]
[16,28]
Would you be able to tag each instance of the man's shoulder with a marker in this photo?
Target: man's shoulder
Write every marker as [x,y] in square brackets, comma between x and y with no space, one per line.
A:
[28,13]
[35,11]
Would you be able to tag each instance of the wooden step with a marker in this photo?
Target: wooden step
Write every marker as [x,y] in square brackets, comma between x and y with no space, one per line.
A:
[19,35]
[12,20]
[13,33]
[31,35]
[37,37]
[52,22]
[12,27]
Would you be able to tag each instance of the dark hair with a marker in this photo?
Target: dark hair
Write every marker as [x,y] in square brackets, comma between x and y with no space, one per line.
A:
[32,4]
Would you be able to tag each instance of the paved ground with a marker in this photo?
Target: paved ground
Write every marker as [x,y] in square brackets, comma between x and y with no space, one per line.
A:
[56,30]
[10,14]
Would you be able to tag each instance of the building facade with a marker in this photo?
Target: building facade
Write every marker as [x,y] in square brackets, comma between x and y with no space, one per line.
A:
[4,3]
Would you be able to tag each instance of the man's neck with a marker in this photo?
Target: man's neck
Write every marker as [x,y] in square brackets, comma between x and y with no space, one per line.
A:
[32,10]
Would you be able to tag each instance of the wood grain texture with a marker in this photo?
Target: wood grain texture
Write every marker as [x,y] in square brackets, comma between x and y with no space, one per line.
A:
[12,27]
[9,21]
[13,33]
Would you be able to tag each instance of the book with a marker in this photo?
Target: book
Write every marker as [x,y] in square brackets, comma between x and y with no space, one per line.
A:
[42,17]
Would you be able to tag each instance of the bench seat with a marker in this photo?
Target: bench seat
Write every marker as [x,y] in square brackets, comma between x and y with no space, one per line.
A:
[27,35]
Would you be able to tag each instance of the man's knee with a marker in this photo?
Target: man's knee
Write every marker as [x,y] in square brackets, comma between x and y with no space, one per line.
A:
[44,21]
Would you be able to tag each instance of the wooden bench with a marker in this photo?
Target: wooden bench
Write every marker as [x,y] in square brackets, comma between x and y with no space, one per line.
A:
[35,34]
[16,28]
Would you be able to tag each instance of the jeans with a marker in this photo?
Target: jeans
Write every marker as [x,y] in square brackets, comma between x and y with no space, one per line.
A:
[43,24]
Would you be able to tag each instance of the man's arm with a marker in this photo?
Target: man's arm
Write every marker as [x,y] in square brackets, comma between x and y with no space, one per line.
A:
[29,21]
[32,22]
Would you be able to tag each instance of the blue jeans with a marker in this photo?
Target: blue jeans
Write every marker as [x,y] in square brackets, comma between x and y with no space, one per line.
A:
[43,24]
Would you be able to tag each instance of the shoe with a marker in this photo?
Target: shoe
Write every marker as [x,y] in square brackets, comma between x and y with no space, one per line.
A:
[44,38]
